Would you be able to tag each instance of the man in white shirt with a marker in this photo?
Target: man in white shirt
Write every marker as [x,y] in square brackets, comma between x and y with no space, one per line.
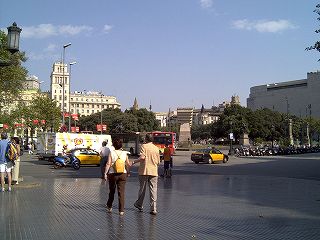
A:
[104,153]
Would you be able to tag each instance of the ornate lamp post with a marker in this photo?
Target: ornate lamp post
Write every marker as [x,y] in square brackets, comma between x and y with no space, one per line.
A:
[13,39]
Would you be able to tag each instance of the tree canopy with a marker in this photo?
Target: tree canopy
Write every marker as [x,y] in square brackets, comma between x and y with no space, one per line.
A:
[316,45]
[128,121]
[12,75]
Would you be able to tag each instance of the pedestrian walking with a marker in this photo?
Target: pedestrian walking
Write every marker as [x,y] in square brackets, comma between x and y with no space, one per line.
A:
[30,148]
[116,171]
[167,161]
[104,154]
[5,164]
[148,174]
[16,169]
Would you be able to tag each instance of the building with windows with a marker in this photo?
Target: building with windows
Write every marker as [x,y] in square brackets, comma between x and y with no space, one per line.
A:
[205,116]
[185,115]
[31,89]
[162,118]
[85,102]
[297,97]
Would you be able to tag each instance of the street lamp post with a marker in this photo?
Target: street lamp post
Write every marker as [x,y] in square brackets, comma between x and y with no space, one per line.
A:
[63,81]
[231,139]
[70,64]
[101,114]
[40,82]
[272,135]
[12,42]
[308,125]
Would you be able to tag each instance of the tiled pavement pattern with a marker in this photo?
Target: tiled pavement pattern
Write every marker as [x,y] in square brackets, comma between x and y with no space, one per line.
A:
[191,206]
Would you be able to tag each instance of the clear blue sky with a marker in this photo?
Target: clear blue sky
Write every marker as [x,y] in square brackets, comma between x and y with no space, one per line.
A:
[174,53]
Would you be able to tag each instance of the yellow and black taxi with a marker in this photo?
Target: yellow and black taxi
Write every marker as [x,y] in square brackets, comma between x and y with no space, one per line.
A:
[209,155]
[86,156]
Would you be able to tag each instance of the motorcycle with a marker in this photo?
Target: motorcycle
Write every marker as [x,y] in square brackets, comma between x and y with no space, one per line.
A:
[67,160]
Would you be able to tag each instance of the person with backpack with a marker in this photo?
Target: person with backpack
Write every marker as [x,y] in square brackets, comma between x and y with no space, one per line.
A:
[5,164]
[116,171]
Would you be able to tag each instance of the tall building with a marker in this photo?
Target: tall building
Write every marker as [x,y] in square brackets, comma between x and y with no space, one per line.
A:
[298,97]
[85,102]
[162,117]
[185,115]
[31,89]
[205,116]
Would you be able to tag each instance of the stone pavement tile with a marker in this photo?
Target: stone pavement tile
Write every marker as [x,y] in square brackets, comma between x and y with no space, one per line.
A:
[190,207]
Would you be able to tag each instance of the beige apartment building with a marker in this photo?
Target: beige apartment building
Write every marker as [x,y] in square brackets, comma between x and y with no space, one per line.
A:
[31,87]
[82,102]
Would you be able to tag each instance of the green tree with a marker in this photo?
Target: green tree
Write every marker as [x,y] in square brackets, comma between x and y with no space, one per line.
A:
[147,121]
[234,119]
[44,108]
[201,131]
[11,76]
[316,45]
[124,123]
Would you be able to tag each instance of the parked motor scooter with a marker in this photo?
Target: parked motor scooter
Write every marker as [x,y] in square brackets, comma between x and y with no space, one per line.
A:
[64,161]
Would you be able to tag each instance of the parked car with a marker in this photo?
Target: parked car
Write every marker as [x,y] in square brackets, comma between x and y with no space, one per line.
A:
[208,155]
[86,156]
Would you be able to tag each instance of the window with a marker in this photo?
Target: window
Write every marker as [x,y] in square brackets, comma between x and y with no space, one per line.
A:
[60,97]
[92,105]
[82,110]
[83,105]
[88,111]
[71,99]
[92,111]
[77,104]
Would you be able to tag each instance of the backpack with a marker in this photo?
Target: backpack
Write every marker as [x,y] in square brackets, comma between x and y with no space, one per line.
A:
[118,165]
[12,152]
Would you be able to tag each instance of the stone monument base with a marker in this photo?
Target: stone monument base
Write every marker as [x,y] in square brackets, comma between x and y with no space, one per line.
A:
[244,139]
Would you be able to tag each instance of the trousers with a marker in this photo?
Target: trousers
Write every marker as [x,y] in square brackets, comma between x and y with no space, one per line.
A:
[152,182]
[117,180]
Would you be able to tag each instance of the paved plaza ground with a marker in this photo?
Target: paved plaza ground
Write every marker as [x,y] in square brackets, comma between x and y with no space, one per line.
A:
[247,198]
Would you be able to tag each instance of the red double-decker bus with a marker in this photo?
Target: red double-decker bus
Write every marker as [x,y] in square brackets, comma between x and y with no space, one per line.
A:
[160,139]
